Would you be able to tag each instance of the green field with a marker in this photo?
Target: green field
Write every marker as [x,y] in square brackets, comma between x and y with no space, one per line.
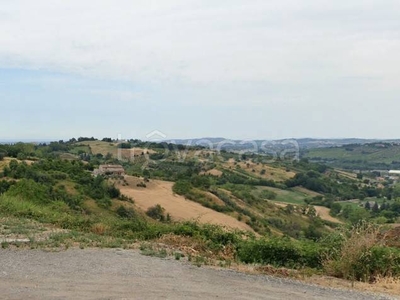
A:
[376,155]
[287,196]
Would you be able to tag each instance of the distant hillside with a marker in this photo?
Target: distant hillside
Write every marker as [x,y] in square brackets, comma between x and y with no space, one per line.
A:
[382,155]
[304,143]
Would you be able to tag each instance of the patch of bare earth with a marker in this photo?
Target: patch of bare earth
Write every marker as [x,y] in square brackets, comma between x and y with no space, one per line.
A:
[180,209]
[14,230]
[324,214]
[213,172]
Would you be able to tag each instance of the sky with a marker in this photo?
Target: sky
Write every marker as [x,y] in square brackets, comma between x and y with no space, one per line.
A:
[237,69]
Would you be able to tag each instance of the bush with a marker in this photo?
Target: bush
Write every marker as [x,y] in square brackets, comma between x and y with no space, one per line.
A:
[280,252]
[30,190]
[156,212]
[141,184]
[268,195]
[182,187]
[360,254]
[126,213]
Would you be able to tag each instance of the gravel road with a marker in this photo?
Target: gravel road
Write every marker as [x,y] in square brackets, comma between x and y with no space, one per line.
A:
[120,274]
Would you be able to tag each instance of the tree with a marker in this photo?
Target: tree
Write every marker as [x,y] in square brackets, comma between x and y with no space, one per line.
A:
[336,208]
[367,205]
[375,208]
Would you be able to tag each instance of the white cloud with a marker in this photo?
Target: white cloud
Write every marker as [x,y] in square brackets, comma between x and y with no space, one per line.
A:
[293,66]
[276,41]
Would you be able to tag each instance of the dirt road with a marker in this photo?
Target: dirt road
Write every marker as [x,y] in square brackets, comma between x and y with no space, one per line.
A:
[119,274]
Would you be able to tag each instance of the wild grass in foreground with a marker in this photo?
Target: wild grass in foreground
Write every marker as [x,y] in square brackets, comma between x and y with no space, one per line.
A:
[360,253]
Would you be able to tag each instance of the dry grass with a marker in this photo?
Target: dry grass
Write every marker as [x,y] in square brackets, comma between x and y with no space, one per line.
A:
[306,191]
[194,247]
[213,172]
[346,174]
[180,209]
[6,161]
[324,214]
[344,260]
[271,173]
[104,148]
[99,229]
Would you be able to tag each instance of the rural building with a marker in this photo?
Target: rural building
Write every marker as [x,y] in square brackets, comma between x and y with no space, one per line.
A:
[109,170]
[394,172]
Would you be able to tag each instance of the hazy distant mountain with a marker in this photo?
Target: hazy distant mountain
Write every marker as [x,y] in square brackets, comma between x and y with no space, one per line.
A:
[36,141]
[303,143]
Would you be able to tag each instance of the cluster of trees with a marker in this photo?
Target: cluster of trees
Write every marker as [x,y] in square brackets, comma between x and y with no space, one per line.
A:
[43,182]
[387,212]
[237,178]
[341,189]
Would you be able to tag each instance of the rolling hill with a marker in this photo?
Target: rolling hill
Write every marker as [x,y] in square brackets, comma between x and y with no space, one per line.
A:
[381,156]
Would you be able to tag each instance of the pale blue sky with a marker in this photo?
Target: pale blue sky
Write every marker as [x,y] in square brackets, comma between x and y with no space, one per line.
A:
[238,69]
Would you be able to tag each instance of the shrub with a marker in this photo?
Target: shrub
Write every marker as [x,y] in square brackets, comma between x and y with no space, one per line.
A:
[30,190]
[268,195]
[280,252]
[126,213]
[360,254]
[156,212]
[182,187]
[141,184]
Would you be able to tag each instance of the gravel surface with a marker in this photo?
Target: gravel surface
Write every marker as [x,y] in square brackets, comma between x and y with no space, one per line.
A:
[121,274]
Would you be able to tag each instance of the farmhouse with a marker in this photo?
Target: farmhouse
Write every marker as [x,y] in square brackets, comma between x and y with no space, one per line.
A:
[109,170]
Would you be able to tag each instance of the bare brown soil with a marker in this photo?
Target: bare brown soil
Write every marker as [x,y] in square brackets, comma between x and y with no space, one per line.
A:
[213,172]
[323,213]
[160,192]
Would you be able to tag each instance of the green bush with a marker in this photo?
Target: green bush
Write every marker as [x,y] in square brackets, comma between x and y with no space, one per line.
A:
[156,212]
[268,195]
[126,213]
[182,187]
[30,190]
[280,252]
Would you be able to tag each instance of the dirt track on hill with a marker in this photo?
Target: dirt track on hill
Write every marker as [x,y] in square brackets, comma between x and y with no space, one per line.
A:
[160,192]
[120,274]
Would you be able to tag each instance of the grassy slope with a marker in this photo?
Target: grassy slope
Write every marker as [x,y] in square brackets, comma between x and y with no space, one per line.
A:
[6,161]
[99,147]
[271,173]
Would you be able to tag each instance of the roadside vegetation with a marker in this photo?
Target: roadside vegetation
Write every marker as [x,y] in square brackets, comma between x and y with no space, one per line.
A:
[51,185]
